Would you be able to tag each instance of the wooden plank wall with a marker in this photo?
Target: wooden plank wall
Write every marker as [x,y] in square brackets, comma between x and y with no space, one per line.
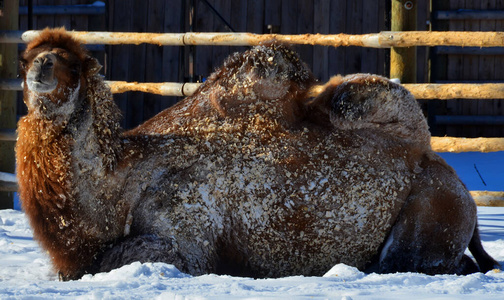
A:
[469,68]
[8,69]
[159,64]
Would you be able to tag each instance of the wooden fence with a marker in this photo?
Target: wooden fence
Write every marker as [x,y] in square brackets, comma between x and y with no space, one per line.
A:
[379,40]
[467,64]
[150,63]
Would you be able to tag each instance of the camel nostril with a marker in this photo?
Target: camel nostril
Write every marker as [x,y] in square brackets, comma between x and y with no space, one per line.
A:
[48,64]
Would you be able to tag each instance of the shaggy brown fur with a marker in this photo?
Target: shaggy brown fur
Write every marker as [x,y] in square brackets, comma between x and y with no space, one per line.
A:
[70,133]
[249,176]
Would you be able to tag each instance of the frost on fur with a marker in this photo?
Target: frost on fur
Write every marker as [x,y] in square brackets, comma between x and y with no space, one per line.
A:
[250,176]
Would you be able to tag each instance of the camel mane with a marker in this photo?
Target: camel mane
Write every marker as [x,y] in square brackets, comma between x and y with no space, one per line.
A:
[58,38]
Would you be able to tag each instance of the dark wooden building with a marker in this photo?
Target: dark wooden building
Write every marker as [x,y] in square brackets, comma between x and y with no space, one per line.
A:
[150,63]
[468,65]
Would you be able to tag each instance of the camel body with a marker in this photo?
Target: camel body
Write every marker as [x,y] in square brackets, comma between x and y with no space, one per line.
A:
[250,176]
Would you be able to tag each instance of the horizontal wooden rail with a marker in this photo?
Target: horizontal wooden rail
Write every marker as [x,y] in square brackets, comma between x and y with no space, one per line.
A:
[6,186]
[449,90]
[7,135]
[485,198]
[384,39]
[420,90]
[163,88]
[11,84]
[8,182]
[452,144]
[11,37]
[456,90]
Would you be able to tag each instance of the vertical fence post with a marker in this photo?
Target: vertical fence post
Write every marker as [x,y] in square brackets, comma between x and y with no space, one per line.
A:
[8,69]
[403,60]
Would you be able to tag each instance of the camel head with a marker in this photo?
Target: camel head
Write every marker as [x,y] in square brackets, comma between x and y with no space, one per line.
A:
[54,67]
[40,77]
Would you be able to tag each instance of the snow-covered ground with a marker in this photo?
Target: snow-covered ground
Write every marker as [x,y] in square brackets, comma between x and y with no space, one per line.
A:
[25,272]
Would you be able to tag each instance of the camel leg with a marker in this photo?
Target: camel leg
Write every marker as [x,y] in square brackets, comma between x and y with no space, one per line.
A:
[144,248]
[434,227]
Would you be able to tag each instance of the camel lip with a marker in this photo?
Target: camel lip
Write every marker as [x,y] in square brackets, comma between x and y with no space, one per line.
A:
[39,86]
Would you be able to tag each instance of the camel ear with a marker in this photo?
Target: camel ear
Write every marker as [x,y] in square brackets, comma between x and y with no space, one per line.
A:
[22,66]
[91,66]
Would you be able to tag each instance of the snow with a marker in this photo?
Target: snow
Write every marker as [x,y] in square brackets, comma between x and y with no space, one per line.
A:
[25,271]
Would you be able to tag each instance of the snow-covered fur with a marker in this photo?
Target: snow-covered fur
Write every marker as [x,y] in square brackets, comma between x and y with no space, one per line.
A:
[67,152]
[249,176]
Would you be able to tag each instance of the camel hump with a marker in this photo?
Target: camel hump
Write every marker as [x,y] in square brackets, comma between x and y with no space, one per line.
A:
[273,62]
[268,80]
[372,101]
[265,83]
